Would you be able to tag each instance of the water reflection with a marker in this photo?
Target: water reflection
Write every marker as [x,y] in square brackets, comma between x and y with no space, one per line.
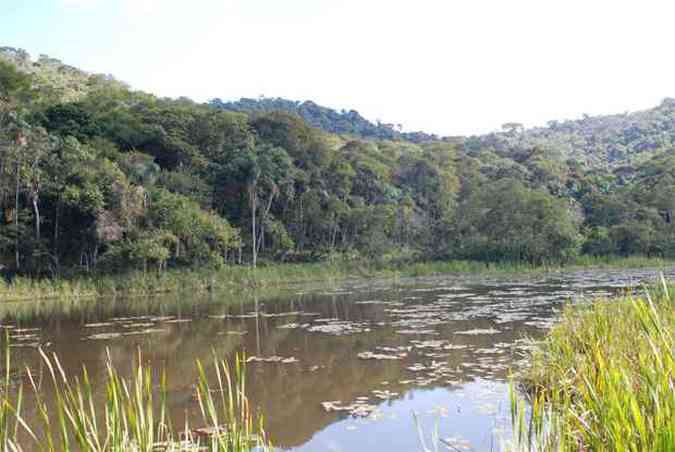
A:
[339,369]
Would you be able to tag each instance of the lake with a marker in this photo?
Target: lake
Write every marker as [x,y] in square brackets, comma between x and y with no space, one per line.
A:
[333,368]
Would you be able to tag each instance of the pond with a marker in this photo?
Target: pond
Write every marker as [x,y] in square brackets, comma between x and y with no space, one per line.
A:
[339,368]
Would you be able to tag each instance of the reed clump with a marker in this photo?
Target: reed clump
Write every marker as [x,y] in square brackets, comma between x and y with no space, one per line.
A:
[603,380]
[133,415]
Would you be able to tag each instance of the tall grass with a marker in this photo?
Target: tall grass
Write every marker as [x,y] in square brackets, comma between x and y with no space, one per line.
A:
[229,279]
[242,278]
[9,421]
[603,380]
[133,416]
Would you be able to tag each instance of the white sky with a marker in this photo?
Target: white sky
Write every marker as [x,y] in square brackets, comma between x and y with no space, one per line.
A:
[444,66]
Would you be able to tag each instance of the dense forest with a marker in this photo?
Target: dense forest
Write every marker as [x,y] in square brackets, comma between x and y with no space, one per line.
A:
[95,176]
[340,122]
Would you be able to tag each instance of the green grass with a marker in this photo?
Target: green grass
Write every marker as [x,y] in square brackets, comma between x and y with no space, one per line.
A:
[133,415]
[242,278]
[582,262]
[603,380]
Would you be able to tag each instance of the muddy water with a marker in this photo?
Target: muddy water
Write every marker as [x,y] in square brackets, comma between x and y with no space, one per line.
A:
[341,368]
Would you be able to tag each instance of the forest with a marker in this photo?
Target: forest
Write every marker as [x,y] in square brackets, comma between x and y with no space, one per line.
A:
[98,177]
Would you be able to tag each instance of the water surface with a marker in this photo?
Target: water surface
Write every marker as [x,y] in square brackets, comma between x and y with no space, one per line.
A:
[340,368]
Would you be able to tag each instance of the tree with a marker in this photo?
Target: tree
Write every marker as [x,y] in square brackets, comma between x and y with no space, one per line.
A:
[431,181]
[267,172]
[21,160]
[14,84]
[200,238]
[507,221]
[71,120]
[513,128]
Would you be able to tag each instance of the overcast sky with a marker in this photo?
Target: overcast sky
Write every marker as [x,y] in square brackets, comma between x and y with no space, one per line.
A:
[444,66]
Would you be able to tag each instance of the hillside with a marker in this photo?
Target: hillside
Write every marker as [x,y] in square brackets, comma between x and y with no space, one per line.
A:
[609,141]
[54,80]
[95,176]
[340,122]
[596,141]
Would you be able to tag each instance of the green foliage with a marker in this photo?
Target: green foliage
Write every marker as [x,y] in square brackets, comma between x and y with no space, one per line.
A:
[339,122]
[134,410]
[70,120]
[603,380]
[13,83]
[600,141]
[508,220]
[198,236]
[96,177]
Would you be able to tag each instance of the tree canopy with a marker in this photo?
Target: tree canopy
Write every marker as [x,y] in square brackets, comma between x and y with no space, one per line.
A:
[95,176]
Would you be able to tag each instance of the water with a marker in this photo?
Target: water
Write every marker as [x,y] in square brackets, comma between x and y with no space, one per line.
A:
[341,368]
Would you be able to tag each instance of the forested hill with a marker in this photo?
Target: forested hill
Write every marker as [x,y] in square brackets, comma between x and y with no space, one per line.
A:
[597,141]
[95,176]
[53,80]
[340,122]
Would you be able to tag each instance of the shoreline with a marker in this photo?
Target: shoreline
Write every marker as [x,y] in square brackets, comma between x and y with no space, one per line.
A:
[237,279]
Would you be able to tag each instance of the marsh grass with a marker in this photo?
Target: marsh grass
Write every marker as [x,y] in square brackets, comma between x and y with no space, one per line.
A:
[237,279]
[9,421]
[603,380]
[580,263]
[133,415]
[229,279]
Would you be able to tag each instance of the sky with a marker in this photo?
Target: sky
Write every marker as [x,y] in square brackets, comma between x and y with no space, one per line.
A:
[451,67]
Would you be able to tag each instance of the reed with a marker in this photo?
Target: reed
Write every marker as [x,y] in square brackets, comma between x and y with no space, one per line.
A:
[9,421]
[237,279]
[602,380]
[133,415]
